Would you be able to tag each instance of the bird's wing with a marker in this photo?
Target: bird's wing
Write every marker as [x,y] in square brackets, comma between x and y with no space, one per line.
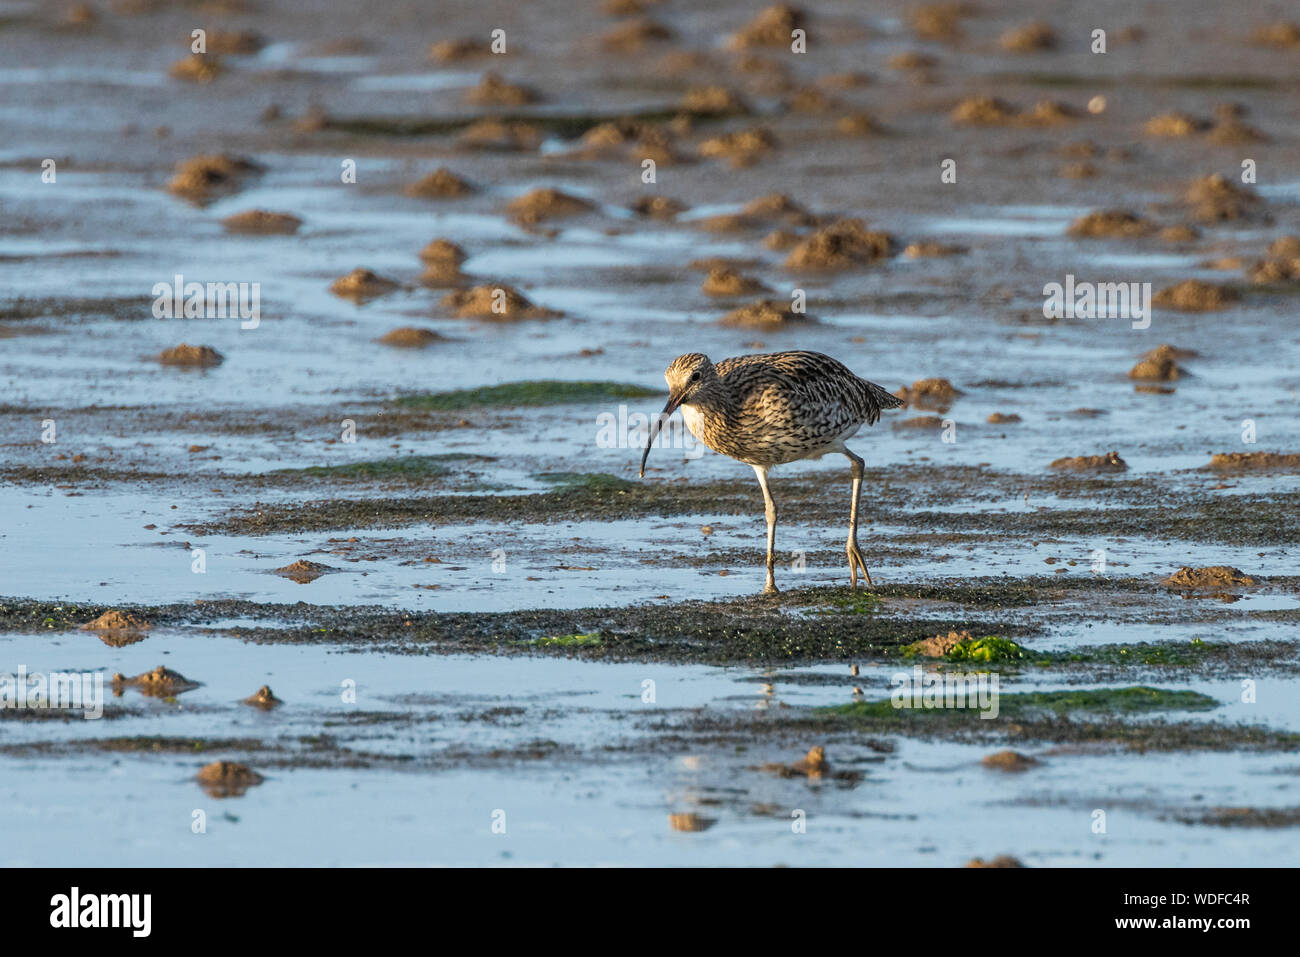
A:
[810,377]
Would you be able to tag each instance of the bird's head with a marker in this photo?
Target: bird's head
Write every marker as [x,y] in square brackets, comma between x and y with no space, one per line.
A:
[688,376]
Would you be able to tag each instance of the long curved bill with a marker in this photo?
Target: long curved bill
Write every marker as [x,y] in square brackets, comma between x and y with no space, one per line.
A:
[673,402]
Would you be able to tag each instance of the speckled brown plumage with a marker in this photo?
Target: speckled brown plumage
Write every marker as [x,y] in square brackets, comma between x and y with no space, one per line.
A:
[771,409]
[779,407]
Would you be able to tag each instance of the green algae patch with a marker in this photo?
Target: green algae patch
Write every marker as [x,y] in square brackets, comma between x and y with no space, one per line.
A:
[1146,653]
[1103,702]
[27,616]
[591,481]
[407,467]
[536,393]
[988,649]
[589,640]
[1133,700]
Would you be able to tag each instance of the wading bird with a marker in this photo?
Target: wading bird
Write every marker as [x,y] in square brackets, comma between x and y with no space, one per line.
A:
[771,409]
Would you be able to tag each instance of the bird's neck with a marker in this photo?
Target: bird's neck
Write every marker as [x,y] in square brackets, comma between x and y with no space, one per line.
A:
[715,400]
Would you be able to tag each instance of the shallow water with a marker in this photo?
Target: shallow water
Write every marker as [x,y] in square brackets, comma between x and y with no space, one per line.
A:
[106,232]
[911,808]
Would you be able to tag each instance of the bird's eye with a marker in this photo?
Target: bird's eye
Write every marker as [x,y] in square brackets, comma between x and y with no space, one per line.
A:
[695,377]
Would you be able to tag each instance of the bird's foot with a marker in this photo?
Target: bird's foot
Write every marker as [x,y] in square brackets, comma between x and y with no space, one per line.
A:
[770,588]
[856,561]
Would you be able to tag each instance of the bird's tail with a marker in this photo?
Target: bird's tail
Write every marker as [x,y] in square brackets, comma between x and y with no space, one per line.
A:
[879,399]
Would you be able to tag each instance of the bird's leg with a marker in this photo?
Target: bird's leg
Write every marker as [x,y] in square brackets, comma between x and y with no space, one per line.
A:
[769,509]
[856,560]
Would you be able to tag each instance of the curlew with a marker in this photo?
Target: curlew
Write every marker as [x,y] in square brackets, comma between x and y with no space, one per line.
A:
[772,409]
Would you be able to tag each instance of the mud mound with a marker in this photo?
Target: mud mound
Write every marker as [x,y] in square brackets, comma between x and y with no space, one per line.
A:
[741,148]
[778,207]
[842,244]
[362,284]
[502,135]
[992,111]
[635,35]
[409,337]
[493,90]
[493,302]
[113,623]
[940,645]
[1180,234]
[79,15]
[782,240]
[725,223]
[440,184]
[1271,271]
[983,111]
[442,275]
[1285,247]
[1216,198]
[187,355]
[263,698]
[728,282]
[303,571]
[1049,113]
[912,60]
[1175,125]
[262,222]
[1030,38]
[1279,34]
[222,779]
[1110,462]
[162,682]
[1161,364]
[443,251]
[1234,133]
[1003,418]
[811,765]
[810,99]
[1284,266]
[936,394]
[941,21]
[764,313]
[1193,295]
[1012,761]
[1212,576]
[540,204]
[713,99]
[858,124]
[197,68]
[628,138]
[204,177]
[932,250]
[1002,860]
[772,209]
[1079,171]
[689,822]
[771,28]
[1110,223]
[1264,461]
[459,50]
[658,207]
[709,263]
